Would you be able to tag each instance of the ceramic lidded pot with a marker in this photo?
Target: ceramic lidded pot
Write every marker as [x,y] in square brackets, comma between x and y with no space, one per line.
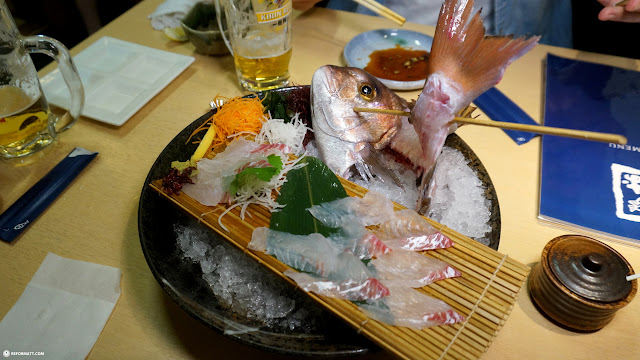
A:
[580,282]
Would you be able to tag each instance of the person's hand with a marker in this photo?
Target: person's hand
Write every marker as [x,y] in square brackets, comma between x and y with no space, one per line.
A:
[628,13]
[304,5]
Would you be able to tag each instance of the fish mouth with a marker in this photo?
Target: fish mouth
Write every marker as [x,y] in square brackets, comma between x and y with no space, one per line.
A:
[329,80]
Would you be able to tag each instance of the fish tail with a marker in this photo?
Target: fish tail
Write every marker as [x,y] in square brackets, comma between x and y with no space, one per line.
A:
[462,51]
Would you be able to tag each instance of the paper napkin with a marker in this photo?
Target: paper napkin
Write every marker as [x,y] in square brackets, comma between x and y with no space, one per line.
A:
[170,13]
[62,311]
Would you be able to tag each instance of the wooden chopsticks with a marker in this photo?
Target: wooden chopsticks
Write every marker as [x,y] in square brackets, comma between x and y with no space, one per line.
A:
[382,11]
[539,129]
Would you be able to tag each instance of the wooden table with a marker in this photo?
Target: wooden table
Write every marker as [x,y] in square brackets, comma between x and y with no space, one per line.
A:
[95,219]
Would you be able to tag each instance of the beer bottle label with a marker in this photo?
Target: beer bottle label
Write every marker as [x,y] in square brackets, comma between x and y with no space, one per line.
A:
[275,10]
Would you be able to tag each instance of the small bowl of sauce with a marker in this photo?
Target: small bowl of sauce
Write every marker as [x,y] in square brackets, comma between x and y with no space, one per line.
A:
[397,57]
[399,64]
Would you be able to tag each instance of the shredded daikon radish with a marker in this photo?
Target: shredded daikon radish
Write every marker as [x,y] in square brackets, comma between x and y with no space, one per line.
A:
[277,131]
[274,131]
[262,192]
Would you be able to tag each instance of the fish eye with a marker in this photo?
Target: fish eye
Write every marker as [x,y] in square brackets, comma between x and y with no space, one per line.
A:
[367,92]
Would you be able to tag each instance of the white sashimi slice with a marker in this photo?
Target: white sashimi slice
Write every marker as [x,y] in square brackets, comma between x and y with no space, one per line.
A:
[358,240]
[410,269]
[340,273]
[408,230]
[411,308]
[372,209]
[370,289]
[310,253]
[215,175]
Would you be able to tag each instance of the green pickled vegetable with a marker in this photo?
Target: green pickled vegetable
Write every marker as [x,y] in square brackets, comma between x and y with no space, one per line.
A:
[276,104]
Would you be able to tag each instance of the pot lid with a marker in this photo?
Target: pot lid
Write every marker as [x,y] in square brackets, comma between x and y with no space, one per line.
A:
[589,268]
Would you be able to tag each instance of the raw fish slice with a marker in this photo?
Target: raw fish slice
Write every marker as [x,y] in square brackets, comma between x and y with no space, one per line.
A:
[411,308]
[215,175]
[310,253]
[356,239]
[269,149]
[370,289]
[372,209]
[408,230]
[410,269]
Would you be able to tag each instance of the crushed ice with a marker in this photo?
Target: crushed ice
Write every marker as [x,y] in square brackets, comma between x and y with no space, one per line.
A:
[243,285]
[459,199]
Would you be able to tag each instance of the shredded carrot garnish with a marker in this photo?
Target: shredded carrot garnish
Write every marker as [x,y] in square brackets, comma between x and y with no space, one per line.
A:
[238,115]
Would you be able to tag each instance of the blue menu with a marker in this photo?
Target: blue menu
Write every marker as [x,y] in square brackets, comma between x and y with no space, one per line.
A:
[584,183]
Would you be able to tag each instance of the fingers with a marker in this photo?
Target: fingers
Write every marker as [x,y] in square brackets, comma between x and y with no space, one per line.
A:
[633,5]
[629,13]
[304,5]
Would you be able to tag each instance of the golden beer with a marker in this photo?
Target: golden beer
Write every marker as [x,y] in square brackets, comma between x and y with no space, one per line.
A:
[260,41]
[21,117]
[263,73]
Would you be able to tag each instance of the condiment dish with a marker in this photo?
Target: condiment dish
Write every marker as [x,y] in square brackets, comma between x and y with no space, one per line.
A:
[358,49]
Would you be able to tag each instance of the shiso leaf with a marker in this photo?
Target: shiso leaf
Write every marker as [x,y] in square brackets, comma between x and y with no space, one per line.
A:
[309,185]
[265,174]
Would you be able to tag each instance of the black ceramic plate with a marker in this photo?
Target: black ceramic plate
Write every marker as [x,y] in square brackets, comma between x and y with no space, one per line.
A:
[182,279]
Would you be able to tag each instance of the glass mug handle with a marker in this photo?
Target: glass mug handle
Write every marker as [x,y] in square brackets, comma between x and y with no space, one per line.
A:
[219,15]
[55,49]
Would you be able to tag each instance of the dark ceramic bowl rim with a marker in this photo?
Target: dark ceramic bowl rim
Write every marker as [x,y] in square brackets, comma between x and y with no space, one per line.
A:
[190,17]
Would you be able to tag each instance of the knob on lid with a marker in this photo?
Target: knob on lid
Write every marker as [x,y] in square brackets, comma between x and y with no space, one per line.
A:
[589,269]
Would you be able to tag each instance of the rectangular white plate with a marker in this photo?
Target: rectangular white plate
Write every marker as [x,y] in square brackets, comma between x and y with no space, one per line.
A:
[119,77]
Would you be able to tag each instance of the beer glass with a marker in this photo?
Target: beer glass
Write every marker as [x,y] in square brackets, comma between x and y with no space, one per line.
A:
[259,37]
[26,124]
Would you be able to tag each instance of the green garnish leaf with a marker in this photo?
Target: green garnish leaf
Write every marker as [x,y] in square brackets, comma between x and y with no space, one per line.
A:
[252,173]
[310,185]
[275,161]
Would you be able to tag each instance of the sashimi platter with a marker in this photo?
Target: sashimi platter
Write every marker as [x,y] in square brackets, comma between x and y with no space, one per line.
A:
[290,221]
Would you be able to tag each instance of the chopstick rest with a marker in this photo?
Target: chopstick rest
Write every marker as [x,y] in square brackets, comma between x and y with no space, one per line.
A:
[36,200]
[62,310]
[498,107]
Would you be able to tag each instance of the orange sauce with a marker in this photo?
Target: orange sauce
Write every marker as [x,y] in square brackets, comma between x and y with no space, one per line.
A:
[398,63]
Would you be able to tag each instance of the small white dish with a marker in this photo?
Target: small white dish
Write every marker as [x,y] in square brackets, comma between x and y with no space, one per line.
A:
[118,77]
[357,51]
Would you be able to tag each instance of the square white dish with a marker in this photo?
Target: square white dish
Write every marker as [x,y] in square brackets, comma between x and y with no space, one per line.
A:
[119,77]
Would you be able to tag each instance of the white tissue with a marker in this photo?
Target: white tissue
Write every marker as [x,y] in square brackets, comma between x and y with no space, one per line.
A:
[63,309]
[170,13]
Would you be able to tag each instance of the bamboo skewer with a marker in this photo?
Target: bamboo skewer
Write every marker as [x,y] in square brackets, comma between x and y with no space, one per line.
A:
[539,129]
[382,10]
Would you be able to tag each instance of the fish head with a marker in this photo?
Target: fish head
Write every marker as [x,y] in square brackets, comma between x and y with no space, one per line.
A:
[336,90]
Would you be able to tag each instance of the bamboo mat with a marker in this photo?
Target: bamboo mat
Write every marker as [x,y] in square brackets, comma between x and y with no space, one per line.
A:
[485,293]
